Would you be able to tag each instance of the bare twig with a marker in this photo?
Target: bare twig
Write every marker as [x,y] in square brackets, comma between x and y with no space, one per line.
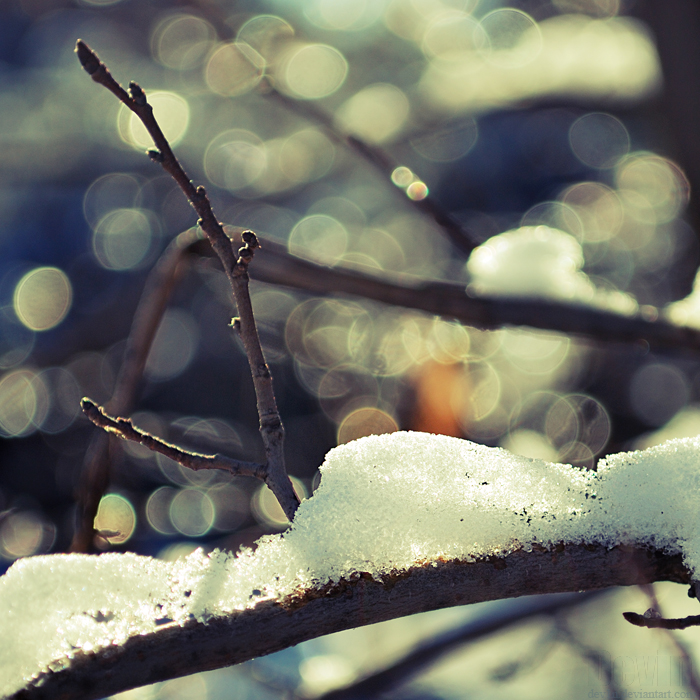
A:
[125,429]
[653,622]
[385,164]
[235,266]
[690,677]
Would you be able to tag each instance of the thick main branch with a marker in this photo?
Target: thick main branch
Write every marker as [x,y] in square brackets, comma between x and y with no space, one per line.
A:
[174,650]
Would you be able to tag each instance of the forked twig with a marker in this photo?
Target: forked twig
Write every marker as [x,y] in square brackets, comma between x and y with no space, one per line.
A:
[235,266]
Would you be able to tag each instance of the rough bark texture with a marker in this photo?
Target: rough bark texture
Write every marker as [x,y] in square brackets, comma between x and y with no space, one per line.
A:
[174,650]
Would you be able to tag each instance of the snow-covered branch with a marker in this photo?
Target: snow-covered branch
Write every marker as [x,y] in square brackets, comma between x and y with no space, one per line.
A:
[400,524]
[177,648]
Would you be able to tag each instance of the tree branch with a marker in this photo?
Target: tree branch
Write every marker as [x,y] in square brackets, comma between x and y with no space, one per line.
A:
[450,301]
[664,623]
[125,429]
[235,267]
[268,626]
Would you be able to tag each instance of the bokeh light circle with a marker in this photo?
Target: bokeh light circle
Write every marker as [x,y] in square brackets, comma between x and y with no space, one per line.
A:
[234,69]
[181,41]
[657,392]
[599,140]
[24,534]
[318,237]
[514,38]
[174,346]
[453,37]
[265,34]
[365,421]
[376,113]
[124,239]
[192,512]
[116,519]
[235,159]
[266,508]
[313,71]
[19,403]
[173,115]
[42,298]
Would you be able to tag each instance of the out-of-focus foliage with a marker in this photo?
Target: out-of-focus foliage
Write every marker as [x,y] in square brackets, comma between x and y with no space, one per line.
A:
[508,116]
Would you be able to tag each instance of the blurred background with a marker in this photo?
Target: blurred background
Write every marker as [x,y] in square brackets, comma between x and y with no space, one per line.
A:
[575,116]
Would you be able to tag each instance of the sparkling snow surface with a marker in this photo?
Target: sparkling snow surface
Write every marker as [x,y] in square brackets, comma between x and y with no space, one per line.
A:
[385,502]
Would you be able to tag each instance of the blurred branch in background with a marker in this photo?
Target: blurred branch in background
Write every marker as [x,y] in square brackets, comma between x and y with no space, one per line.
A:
[450,302]
[431,651]
[154,300]
[414,188]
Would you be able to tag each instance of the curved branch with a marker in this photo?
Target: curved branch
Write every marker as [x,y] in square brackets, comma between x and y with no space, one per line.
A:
[461,238]
[155,296]
[173,650]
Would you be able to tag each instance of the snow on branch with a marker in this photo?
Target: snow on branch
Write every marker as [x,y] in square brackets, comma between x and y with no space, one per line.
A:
[401,523]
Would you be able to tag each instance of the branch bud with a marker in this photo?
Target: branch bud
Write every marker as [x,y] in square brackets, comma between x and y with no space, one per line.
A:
[137,94]
[87,57]
[250,239]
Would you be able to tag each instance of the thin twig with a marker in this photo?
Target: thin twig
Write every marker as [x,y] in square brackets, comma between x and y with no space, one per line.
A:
[461,237]
[691,676]
[235,266]
[125,429]
[652,622]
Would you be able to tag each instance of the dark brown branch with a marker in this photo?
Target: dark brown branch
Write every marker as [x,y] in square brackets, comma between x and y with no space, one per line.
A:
[152,304]
[173,650]
[665,623]
[125,429]
[235,266]
[451,301]
[461,238]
